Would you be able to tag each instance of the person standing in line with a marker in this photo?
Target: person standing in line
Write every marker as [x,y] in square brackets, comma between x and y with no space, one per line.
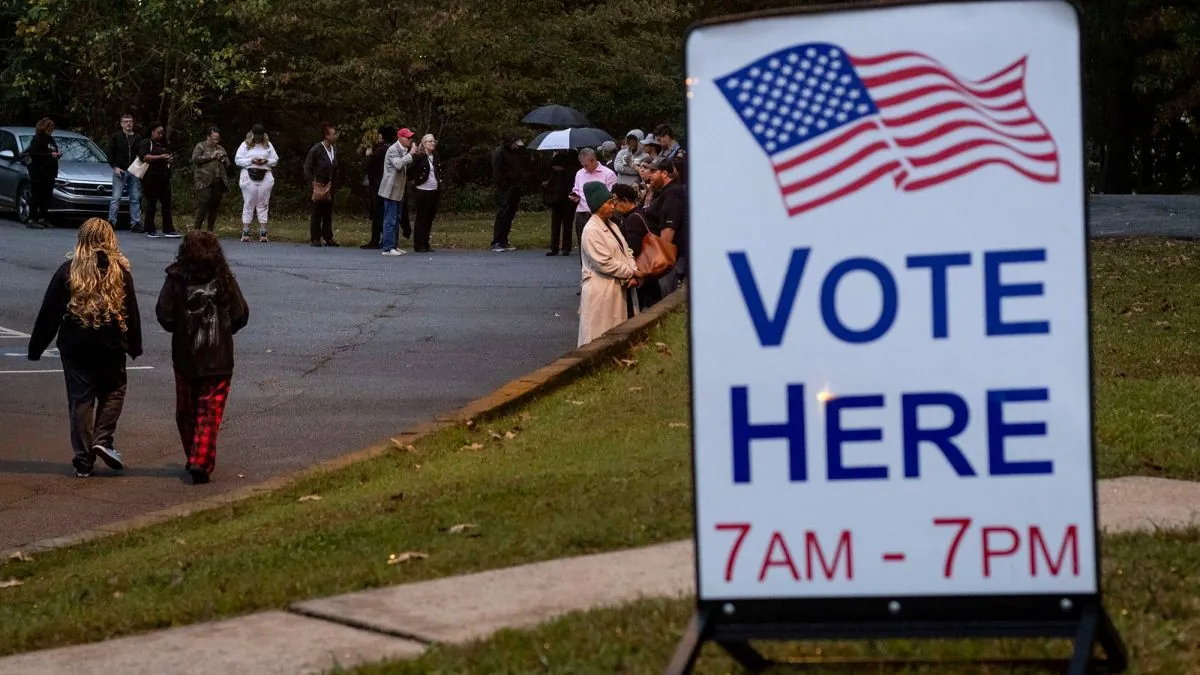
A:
[509,176]
[592,171]
[427,177]
[386,136]
[202,307]
[632,221]
[321,170]
[668,217]
[556,196]
[92,306]
[43,171]
[626,163]
[666,139]
[257,158]
[122,150]
[211,162]
[609,270]
[395,180]
[157,181]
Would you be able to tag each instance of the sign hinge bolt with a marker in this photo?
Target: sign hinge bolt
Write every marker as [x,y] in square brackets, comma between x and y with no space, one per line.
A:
[728,609]
[1066,605]
[894,607]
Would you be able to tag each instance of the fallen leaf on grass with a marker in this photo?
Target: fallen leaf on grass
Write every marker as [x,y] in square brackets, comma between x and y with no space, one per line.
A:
[678,425]
[635,389]
[663,348]
[473,446]
[510,435]
[394,559]
[118,595]
[495,435]
[20,556]
[462,527]
[11,583]
[403,448]
[627,363]
[241,475]
[311,498]
[181,542]
[574,402]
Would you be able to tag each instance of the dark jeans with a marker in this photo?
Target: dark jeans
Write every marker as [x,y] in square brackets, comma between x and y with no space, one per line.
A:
[41,191]
[95,396]
[426,204]
[208,203]
[155,190]
[405,224]
[580,221]
[649,294]
[508,201]
[561,216]
[376,220]
[320,226]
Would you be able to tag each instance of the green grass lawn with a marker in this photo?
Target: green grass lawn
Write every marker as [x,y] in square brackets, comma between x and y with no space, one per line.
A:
[531,230]
[600,464]
[1152,585]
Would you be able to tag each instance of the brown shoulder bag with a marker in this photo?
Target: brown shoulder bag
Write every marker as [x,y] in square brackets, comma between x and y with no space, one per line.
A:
[657,256]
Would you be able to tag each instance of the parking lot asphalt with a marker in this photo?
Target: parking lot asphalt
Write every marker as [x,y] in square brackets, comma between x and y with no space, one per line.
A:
[344,348]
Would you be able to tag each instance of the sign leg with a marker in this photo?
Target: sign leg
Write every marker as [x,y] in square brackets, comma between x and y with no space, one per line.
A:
[1114,647]
[1085,643]
[689,646]
[746,656]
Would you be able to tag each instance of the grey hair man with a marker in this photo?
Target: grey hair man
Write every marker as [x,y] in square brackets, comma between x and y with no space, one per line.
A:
[592,170]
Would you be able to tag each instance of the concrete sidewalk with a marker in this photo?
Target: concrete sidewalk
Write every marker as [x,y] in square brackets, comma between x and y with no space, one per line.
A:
[400,622]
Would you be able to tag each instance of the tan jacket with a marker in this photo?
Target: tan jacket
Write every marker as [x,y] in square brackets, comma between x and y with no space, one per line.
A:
[607,263]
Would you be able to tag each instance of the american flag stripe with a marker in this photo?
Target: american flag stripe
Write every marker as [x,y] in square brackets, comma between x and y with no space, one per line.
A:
[946,127]
[833,123]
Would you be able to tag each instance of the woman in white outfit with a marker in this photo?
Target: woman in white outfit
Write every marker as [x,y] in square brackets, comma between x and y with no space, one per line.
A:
[610,271]
[257,158]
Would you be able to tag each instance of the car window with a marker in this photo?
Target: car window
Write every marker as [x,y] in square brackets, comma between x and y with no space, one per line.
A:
[75,149]
[8,142]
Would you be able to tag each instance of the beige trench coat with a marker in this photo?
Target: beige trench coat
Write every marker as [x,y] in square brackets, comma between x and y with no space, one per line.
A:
[607,263]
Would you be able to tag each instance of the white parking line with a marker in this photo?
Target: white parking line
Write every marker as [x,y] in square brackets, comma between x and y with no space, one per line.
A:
[8,333]
[22,372]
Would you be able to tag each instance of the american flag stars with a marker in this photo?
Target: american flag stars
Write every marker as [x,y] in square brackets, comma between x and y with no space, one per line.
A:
[788,97]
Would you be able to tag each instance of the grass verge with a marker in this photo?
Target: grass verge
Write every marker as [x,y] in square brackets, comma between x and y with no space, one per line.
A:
[1155,609]
[450,230]
[600,464]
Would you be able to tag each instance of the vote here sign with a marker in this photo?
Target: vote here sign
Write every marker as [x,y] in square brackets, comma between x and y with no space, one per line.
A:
[889,309]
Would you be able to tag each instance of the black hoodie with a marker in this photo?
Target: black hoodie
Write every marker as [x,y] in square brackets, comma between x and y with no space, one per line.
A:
[506,166]
[171,311]
[77,342]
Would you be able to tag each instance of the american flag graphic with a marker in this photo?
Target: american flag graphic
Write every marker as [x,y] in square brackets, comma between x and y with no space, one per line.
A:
[833,123]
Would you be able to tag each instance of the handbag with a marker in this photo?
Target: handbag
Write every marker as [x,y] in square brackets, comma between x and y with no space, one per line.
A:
[256,175]
[320,191]
[657,256]
[139,168]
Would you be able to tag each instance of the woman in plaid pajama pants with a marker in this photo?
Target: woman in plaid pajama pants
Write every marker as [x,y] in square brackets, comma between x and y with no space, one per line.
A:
[202,307]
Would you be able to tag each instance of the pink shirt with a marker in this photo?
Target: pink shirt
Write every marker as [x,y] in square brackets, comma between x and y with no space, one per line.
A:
[602,174]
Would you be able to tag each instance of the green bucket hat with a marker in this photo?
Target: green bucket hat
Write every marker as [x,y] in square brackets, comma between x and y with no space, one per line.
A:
[596,195]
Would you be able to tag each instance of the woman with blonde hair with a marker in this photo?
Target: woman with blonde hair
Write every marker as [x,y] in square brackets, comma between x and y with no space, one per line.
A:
[258,158]
[92,307]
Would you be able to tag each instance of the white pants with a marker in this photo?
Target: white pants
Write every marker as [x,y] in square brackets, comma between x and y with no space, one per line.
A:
[256,196]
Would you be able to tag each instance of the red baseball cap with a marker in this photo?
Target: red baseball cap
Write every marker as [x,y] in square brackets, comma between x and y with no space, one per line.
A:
[404,133]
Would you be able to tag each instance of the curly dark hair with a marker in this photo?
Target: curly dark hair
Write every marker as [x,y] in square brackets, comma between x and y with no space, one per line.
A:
[201,259]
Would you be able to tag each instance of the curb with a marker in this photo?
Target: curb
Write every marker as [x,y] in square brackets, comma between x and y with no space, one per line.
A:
[520,390]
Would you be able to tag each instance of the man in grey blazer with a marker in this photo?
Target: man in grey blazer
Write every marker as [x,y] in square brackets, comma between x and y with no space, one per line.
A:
[395,178]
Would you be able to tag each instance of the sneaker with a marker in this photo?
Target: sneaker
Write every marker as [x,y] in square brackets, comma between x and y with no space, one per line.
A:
[497,248]
[245,237]
[154,235]
[393,252]
[509,247]
[317,244]
[566,253]
[551,253]
[110,457]
[80,473]
[34,225]
[262,239]
[137,229]
[199,476]
[172,235]
[332,243]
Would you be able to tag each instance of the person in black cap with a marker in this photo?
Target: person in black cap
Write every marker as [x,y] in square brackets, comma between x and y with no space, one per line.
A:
[387,136]
[668,216]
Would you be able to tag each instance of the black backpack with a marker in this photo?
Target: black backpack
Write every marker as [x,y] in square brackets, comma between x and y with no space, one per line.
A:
[205,318]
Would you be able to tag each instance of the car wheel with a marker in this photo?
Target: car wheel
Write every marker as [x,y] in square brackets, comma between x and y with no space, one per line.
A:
[22,202]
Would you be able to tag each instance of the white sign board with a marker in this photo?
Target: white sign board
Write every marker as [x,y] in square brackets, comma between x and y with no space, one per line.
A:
[889,304]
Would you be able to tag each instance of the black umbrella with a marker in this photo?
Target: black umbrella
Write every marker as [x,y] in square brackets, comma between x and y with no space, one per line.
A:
[569,139]
[556,116]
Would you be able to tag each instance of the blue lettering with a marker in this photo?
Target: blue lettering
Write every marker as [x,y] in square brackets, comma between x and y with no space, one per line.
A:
[914,435]
[835,436]
[793,430]
[770,329]
[995,291]
[887,315]
[998,430]
[938,264]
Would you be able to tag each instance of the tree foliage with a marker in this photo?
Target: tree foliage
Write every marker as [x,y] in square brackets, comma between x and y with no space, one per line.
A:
[468,70]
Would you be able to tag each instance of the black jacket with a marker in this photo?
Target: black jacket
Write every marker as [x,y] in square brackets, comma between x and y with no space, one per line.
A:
[160,170]
[418,171]
[669,210]
[76,341]
[557,188]
[506,167]
[42,164]
[375,167]
[123,149]
[317,165]
[171,312]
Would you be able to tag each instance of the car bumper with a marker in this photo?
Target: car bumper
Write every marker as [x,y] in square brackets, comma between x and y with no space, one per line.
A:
[84,201]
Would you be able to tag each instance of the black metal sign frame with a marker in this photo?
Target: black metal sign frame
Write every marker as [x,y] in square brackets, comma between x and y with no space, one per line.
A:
[733,623]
